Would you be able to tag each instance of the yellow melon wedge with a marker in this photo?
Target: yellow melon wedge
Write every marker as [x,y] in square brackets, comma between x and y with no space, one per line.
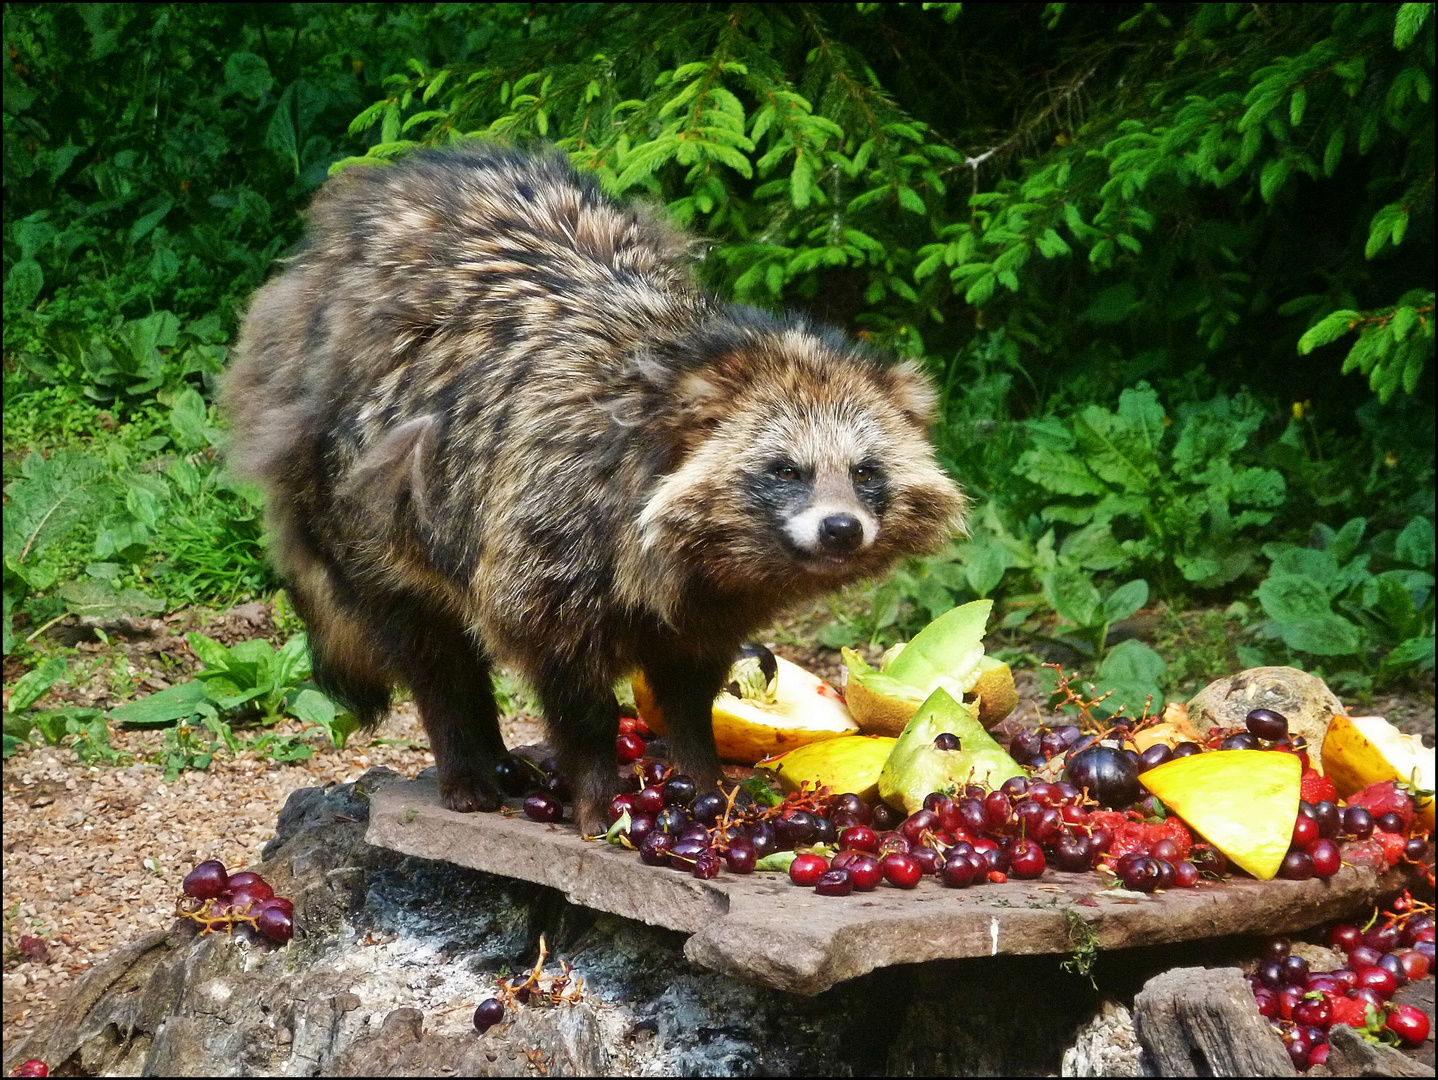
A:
[1363,750]
[841,765]
[806,710]
[1244,802]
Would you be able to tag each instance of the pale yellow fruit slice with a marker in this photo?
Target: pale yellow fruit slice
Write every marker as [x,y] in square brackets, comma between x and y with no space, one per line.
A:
[841,765]
[1244,802]
[806,710]
[1363,750]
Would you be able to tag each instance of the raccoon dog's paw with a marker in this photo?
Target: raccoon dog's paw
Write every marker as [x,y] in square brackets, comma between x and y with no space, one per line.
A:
[468,795]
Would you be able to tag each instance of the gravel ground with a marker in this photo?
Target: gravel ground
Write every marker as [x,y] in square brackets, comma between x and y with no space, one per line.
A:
[95,856]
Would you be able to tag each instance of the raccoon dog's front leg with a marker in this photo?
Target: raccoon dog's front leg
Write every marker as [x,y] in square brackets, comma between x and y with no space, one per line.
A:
[450,681]
[583,723]
[684,689]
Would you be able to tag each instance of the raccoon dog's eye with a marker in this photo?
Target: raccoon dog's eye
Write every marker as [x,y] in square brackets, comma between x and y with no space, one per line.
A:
[863,474]
[785,471]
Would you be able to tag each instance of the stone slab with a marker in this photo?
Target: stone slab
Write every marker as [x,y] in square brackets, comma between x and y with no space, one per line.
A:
[762,928]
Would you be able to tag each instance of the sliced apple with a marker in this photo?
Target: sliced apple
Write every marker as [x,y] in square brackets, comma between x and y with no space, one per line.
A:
[1244,802]
[841,765]
[806,709]
[917,767]
[1363,750]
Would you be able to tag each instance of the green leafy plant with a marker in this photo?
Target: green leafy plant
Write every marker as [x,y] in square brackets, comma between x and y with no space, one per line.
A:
[1341,598]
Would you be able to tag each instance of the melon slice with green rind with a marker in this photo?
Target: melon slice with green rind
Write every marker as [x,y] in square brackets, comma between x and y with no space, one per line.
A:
[916,767]
[841,765]
[1243,802]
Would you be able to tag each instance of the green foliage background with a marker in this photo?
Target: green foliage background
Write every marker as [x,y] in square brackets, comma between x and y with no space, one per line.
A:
[1171,265]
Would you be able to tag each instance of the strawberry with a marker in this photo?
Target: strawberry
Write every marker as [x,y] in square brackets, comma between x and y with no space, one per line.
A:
[1347,1011]
[1315,788]
[1385,797]
[1393,844]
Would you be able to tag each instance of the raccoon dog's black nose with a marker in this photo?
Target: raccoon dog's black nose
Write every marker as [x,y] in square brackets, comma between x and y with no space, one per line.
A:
[840,533]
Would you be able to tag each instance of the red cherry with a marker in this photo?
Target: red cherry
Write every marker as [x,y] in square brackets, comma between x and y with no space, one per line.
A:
[901,870]
[32,1067]
[859,838]
[1409,1023]
[629,748]
[864,871]
[807,869]
[1380,981]
[1305,831]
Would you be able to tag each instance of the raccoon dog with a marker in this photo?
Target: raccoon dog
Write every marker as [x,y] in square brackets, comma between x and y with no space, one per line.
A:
[498,423]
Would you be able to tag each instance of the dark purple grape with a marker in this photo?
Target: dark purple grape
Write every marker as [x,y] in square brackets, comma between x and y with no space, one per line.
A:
[1415,849]
[275,922]
[1187,749]
[1243,740]
[958,872]
[884,818]
[1167,876]
[850,804]
[487,1013]
[1390,822]
[1025,743]
[742,856]
[542,806]
[1015,787]
[1358,822]
[765,841]
[685,851]
[1051,745]
[672,820]
[795,828]
[1297,866]
[1330,821]
[1267,724]
[708,807]
[1295,970]
[997,860]
[1185,874]
[1142,874]
[972,817]
[946,740]
[1271,974]
[834,883]
[1277,948]
[1109,775]
[640,826]
[655,849]
[1385,937]
[707,865]
[824,831]
[928,859]
[206,881]
[680,791]
[1073,854]
[515,776]
[1154,756]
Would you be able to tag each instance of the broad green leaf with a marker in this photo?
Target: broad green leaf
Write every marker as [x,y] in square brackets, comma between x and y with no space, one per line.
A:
[1325,635]
[1063,474]
[248,74]
[1115,450]
[1071,593]
[1293,600]
[1125,600]
[209,651]
[1415,544]
[165,707]
[33,684]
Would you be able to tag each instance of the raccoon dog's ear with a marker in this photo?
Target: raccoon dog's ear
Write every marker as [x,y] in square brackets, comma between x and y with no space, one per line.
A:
[391,468]
[912,392]
[703,398]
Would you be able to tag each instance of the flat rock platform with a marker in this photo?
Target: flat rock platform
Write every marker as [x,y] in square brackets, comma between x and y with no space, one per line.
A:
[762,928]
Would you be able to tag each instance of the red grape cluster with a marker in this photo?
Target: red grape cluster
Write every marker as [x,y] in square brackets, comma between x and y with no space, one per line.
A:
[1304,1005]
[219,900]
[31,1067]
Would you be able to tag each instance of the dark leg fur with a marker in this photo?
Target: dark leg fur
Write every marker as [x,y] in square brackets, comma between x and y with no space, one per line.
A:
[450,680]
[583,723]
[684,689]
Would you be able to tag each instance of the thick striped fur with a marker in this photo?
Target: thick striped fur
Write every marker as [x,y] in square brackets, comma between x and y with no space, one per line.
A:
[498,423]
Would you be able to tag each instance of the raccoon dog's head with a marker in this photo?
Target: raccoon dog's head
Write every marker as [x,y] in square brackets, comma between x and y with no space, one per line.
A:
[805,464]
